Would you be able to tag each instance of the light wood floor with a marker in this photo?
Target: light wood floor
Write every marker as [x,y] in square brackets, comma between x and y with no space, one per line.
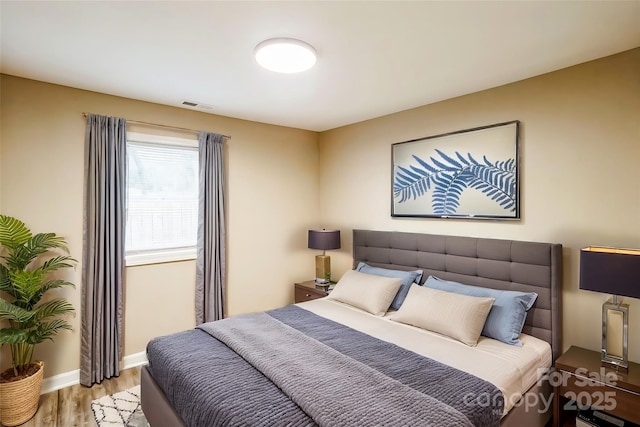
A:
[71,406]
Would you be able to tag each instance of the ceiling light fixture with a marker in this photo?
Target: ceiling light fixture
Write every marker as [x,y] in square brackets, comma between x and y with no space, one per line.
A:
[284,55]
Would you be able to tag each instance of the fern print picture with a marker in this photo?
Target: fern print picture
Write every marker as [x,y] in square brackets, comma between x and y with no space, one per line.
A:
[466,174]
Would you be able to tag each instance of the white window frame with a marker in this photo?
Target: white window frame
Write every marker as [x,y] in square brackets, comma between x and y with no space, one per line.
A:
[145,257]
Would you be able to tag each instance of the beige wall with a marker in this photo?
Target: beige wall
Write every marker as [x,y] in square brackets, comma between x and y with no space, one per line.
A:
[273,185]
[580,181]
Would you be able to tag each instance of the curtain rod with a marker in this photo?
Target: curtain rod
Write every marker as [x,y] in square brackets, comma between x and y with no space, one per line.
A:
[138,122]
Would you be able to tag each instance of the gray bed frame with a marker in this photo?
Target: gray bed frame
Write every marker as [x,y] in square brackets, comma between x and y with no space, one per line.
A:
[499,264]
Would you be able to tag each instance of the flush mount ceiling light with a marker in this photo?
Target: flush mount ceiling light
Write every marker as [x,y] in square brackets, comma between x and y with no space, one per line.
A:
[285,55]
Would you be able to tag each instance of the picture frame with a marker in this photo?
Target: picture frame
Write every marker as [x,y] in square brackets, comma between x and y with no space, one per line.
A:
[472,174]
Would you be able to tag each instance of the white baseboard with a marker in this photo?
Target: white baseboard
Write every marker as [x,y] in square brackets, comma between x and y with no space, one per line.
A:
[133,360]
[59,381]
[68,379]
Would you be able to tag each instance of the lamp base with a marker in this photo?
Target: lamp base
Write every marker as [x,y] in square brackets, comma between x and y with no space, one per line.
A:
[615,335]
[323,269]
[615,365]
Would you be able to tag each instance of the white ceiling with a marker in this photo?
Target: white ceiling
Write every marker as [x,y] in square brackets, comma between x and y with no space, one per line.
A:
[374,58]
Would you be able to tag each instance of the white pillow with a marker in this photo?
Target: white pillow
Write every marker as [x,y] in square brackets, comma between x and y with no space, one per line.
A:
[366,291]
[460,317]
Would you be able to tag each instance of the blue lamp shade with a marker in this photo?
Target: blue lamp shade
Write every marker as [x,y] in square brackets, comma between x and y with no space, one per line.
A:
[611,271]
[617,272]
[324,239]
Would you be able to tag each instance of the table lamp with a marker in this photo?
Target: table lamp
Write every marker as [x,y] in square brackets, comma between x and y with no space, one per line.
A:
[325,240]
[617,272]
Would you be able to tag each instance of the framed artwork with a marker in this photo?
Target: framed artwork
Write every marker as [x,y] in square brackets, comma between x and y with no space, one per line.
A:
[471,173]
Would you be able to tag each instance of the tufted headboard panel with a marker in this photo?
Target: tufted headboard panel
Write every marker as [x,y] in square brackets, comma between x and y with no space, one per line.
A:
[492,263]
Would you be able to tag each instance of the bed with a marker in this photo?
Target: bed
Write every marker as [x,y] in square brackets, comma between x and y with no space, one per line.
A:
[328,340]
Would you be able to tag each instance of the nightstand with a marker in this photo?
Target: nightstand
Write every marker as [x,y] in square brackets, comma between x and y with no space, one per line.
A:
[306,291]
[580,379]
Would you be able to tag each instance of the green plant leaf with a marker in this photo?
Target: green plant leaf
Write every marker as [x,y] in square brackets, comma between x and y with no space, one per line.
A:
[54,284]
[47,330]
[56,263]
[23,283]
[19,258]
[14,313]
[26,284]
[55,307]
[42,242]
[13,336]
[47,286]
[5,282]
[13,232]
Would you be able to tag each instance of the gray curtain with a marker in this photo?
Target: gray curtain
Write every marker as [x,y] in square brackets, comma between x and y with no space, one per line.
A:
[211,247]
[103,248]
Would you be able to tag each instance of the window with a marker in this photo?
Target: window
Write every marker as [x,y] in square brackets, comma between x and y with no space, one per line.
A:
[162,199]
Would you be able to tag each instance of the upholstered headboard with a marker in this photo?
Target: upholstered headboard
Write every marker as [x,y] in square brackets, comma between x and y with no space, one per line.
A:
[499,264]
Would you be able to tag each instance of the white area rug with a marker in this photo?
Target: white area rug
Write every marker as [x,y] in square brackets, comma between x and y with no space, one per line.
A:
[120,409]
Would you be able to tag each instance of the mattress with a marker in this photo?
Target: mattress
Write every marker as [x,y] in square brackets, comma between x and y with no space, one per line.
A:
[512,369]
[290,366]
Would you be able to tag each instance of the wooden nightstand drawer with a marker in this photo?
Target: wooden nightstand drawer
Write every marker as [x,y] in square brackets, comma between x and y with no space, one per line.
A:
[584,382]
[307,291]
[598,395]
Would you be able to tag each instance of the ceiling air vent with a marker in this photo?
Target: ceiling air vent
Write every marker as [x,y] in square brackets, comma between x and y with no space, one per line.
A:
[199,105]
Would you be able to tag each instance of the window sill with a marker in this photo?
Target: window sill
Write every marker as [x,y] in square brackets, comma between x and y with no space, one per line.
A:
[160,256]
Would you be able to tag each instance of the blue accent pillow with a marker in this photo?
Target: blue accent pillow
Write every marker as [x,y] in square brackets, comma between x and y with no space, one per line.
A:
[508,312]
[408,277]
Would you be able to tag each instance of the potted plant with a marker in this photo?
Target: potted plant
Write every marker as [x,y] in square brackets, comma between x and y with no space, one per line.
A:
[26,318]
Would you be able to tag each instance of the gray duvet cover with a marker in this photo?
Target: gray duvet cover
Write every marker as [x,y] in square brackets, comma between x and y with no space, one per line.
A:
[290,367]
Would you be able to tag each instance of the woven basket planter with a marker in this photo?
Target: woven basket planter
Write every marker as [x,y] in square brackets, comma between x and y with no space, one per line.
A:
[19,399]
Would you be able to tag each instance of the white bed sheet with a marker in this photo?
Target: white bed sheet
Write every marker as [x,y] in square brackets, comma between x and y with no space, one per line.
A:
[512,369]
